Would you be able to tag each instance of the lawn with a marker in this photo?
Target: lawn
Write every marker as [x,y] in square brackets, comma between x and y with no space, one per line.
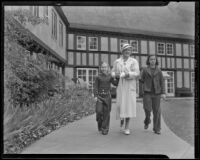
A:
[179,117]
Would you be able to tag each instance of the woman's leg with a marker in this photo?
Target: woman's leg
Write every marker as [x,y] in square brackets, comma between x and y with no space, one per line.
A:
[127,123]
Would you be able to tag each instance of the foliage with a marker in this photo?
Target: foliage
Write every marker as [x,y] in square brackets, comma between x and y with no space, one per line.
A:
[27,125]
[28,79]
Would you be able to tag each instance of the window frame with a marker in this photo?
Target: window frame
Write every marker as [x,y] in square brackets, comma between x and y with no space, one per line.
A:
[54,25]
[172,53]
[61,32]
[89,44]
[192,46]
[133,51]
[159,53]
[77,41]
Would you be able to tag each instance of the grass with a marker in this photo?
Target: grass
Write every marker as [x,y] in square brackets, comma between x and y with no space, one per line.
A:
[179,117]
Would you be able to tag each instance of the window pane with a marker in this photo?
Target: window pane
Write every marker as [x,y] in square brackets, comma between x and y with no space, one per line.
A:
[134,44]
[152,47]
[113,57]
[96,59]
[186,79]
[159,61]
[70,58]
[172,60]
[104,58]
[169,49]
[163,62]
[186,63]
[192,50]
[70,41]
[104,44]
[178,63]
[161,48]
[168,63]
[113,44]
[143,61]
[192,63]
[144,47]
[178,49]
[93,43]
[90,58]
[78,58]
[179,79]
[81,42]
[185,50]
[83,58]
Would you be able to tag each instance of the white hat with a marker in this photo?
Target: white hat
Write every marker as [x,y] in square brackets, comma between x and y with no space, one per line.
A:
[125,46]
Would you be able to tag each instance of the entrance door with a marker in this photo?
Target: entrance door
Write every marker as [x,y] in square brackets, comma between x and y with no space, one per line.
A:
[169,84]
[88,75]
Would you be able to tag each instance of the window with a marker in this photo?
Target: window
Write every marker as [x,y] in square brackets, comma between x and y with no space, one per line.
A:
[192,81]
[104,44]
[178,63]
[160,48]
[186,80]
[163,62]
[70,58]
[144,47]
[178,49]
[91,59]
[169,49]
[96,59]
[104,58]
[113,44]
[192,63]
[186,63]
[81,42]
[143,61]
[192,50]
[54,25]
[45,12]
[134,44]
[61,34]
[93,43]
[179,79]
[70,41]
[152,47]
[78,58]
[185,50]
[122,41]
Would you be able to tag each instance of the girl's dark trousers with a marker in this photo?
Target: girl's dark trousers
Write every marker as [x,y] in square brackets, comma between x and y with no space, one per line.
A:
[103,108]
[152,103]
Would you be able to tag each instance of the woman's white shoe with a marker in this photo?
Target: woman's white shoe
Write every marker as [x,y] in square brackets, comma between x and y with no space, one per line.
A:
[127,131]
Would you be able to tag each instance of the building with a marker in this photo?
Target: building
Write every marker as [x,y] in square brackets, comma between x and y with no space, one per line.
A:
[49,38]
[79,38]
[97,33]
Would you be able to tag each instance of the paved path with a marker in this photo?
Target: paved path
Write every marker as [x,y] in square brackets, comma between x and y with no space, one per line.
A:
[82,137]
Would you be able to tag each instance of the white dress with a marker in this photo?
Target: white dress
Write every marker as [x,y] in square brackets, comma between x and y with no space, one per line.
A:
[126,90]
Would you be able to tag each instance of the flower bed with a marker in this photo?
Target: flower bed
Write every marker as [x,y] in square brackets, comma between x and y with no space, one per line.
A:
[42,119]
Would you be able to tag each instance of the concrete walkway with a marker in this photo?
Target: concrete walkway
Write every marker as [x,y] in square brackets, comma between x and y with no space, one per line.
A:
[82,137]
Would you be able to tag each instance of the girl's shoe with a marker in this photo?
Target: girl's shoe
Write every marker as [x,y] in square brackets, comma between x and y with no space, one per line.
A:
[127,131]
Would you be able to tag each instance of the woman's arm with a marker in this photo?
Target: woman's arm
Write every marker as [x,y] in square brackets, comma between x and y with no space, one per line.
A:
[134,71]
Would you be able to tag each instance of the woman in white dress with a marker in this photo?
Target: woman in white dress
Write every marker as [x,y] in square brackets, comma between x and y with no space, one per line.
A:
[127,69]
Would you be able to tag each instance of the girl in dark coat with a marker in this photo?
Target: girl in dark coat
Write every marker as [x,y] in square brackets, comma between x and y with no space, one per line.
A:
[154,89]
[102,89]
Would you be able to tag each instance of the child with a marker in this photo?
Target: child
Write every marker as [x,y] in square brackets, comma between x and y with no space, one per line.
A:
[102,88]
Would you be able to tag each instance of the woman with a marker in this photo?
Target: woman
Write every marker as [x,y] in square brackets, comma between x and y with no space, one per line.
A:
[127,69]
[154,89]
[102,87]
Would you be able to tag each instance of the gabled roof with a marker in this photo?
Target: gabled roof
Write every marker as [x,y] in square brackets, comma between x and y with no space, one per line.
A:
[171,21]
